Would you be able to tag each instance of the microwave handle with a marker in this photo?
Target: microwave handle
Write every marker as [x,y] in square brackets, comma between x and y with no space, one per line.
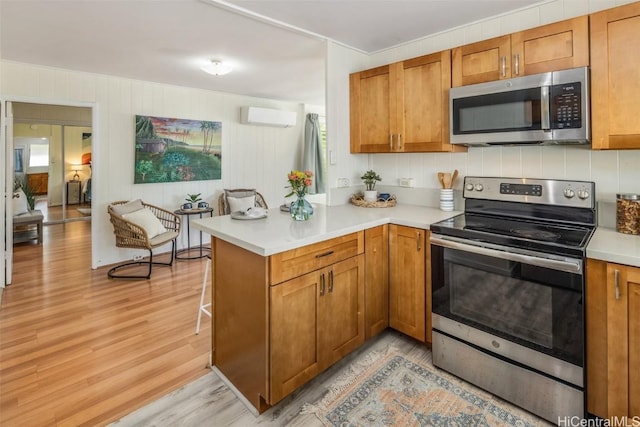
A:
[545,110]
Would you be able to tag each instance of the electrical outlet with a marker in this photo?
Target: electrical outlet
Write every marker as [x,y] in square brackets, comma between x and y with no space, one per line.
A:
[137,257]
[406,182]
[343,182]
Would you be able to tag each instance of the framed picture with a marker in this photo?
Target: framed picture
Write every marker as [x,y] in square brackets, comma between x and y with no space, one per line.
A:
[86,149]
[170,150]
[18,160]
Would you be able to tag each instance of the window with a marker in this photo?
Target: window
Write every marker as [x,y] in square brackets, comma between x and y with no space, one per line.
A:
[18,156]
[39,156]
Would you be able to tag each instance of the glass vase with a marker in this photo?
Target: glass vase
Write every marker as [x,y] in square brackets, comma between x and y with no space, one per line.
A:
[301,209]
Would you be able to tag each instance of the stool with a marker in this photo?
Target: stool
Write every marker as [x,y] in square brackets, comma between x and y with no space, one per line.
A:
[203,306]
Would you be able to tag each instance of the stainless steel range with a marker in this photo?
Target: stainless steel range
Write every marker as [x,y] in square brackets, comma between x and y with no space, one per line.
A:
[508,291]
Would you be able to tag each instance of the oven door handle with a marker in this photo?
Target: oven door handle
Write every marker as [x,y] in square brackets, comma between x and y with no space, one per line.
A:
[553,264]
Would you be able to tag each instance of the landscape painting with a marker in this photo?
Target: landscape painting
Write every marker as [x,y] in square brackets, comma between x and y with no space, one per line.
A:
[170,150]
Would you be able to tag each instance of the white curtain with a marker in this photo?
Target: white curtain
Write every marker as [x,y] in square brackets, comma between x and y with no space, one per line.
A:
[312,155]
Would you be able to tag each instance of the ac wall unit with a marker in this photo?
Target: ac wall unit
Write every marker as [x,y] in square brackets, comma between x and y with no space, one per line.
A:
[267,117]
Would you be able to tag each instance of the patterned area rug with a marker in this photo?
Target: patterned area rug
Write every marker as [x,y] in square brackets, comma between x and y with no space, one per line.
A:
[391,389]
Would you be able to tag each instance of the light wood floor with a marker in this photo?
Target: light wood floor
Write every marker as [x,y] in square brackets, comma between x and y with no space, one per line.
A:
[208,402]
[79,349]
[54,213]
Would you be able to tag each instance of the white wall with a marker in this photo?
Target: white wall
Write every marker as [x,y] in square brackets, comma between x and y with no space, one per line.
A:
[613,171]
[341,62]
[252,156]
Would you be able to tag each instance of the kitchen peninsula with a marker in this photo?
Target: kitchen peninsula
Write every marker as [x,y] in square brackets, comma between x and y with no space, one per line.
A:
[289,296]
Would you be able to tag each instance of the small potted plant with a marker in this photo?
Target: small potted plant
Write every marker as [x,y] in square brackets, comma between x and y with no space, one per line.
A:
[192,200]
[370,178]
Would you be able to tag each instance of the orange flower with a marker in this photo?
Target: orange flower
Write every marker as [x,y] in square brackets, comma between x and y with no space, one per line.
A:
[298,182]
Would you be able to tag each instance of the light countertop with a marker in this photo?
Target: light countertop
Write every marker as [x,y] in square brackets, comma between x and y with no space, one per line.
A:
[608,245]
[278,232]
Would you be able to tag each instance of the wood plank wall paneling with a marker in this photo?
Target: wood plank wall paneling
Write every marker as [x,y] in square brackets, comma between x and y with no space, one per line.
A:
[79,349]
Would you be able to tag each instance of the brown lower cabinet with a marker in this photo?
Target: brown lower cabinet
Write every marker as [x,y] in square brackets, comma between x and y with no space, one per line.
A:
[279,321]
[38,182]
[376,283]
[613,339]
[316,319]
[275,328]
[407,281]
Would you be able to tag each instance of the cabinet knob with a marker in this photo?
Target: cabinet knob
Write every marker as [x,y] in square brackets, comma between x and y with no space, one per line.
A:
[322,284]
[616,274]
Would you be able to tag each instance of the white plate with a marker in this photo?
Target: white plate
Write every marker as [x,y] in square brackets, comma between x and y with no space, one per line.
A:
[240,215]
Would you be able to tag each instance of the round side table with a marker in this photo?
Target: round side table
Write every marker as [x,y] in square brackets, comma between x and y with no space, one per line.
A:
[201,250]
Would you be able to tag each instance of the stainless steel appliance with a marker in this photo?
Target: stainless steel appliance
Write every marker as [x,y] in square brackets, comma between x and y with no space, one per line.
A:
[508,291]
[549,108]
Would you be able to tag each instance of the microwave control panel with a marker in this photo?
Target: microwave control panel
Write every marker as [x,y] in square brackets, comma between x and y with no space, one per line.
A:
[566,106]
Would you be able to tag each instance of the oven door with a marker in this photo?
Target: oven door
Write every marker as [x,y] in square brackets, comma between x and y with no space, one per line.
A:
[530,299]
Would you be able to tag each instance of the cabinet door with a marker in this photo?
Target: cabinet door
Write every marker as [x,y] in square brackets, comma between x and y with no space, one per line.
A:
[407,280]
[341,309]
[371,110]
[424,110]
[596,337]
[294,354]
[615,78]
[38,182]
[376,294]
[483,61]
[552,47]
[623,340]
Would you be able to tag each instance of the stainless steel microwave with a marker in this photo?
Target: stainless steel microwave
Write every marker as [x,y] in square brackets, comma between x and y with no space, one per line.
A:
[548,108]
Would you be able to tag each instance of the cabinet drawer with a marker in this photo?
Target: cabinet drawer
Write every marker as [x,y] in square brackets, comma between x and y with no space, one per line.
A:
[296,262]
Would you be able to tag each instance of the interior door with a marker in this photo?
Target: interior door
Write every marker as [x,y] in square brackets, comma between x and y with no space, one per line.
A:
[6,182]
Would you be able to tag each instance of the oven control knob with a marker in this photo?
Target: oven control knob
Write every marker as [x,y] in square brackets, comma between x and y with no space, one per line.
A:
[569,193]
[583,194]
[469,187]
[479,187]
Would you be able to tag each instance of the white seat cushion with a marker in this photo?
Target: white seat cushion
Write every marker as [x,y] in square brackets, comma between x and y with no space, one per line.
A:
[163,238]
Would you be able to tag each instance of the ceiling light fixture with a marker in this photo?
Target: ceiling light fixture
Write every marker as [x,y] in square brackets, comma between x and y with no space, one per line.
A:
[217,68]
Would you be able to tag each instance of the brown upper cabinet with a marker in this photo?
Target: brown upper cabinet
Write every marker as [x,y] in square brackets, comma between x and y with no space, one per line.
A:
[615,78]
[402,107]
[551,47]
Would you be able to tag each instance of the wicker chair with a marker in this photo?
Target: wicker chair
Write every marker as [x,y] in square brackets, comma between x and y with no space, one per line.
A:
[130,235]
[223,205]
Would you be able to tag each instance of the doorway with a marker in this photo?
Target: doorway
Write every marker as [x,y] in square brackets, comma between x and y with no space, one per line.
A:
[68,130]
[55,144]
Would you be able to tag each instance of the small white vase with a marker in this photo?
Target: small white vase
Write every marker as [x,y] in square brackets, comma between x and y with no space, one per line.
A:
[446,199]
[370,196]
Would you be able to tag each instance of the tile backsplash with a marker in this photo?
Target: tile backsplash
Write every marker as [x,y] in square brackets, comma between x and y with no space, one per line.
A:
[612,171]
